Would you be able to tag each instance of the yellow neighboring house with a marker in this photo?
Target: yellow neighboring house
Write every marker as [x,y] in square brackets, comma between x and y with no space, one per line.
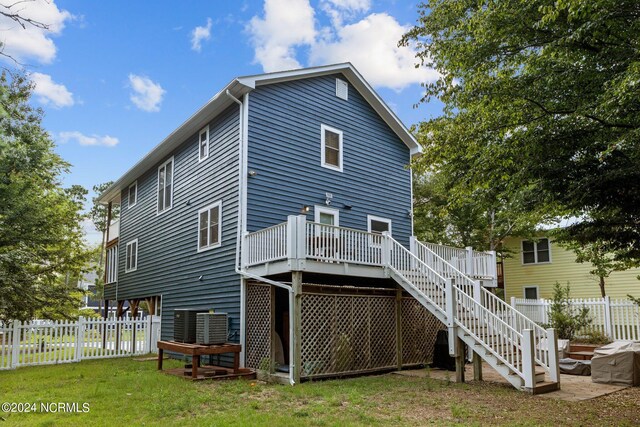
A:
[535,266]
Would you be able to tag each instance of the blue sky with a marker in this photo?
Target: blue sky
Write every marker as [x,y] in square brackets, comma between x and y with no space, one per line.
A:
[115,78]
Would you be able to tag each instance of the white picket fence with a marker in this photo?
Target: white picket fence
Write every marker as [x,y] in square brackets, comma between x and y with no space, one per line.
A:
[44,342]
[619,319]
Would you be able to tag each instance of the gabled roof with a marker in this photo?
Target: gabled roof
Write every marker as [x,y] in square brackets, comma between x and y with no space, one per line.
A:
[240,86]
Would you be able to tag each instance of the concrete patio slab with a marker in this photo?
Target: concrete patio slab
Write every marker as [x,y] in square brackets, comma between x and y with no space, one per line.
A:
[572,388]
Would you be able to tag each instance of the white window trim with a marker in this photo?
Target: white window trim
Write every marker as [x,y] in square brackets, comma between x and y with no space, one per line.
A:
[379,219]
[173,172]
[338,82]
[134,184]
[317,210]
[126,256]
[205,129]
[535,252]
[524,291]
[323,162]
[207,208]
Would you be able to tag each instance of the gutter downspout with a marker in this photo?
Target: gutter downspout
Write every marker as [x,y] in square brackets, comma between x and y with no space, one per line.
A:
[239,240]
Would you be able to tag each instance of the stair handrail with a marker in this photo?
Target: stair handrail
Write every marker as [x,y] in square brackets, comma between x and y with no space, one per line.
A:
[509,335]
[518,321]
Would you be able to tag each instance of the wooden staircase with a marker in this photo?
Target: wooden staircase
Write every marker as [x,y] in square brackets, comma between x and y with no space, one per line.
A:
[521,351]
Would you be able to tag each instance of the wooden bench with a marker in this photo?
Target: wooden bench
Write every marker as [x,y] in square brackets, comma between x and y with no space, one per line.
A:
[197,350]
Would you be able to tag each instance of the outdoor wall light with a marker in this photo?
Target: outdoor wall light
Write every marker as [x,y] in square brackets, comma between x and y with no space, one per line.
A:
[305,209]
[253,173]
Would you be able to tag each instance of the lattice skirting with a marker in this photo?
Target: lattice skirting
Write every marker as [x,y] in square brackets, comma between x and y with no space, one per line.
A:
[258,326]
[344,334]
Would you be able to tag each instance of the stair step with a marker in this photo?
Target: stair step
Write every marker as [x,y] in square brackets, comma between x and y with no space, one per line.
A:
[545,387]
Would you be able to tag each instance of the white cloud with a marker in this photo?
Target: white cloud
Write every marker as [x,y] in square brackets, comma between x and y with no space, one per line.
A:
[32,43]
[82,139]
[49,91]
[286,24]
[371,45]
[147,95]
[370,42]
[199,34]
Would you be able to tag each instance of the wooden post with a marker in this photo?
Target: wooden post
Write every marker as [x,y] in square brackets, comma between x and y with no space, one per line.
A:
[15,346]
[477,367]
[450,307]
[459,360]
[399,327]
[296,318]
[119,311]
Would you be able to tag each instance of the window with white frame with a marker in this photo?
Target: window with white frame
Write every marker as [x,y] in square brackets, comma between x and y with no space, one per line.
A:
[111,267]
[132,256]
[342,89]
[133,195]
[165,186]
[378,225]
[210,226]
[326,216]
[531,292]
[536,252]
[203,139]
[331,153]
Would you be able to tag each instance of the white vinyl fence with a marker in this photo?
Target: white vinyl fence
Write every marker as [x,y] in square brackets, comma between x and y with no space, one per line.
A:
[619,319]
[43,342]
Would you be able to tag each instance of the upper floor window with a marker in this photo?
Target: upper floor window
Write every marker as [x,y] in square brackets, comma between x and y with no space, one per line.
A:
[536,252]
[204,143]
[342,89]
[209,226]
[133,195]
[331,148]
[165,185]
[132,256]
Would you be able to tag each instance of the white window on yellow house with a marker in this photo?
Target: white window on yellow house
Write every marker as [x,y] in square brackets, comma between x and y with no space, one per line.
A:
[536,252]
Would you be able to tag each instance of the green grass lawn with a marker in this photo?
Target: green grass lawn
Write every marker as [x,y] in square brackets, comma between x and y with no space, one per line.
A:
[127,392]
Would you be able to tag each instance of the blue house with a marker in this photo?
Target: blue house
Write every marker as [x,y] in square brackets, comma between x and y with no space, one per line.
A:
[286,202]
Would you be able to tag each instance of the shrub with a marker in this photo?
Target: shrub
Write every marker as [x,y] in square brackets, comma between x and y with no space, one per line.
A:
[564,317]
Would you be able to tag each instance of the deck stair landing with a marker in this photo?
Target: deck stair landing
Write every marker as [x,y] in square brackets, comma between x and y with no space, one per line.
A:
[515,346]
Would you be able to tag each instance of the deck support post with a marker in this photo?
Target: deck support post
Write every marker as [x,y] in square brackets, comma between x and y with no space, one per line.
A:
[459,360]
[477,367]
[469,261]
[450,306]
[399,328]
[296,318]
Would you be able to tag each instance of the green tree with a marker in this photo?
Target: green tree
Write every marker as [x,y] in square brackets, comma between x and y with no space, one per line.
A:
[564,317]
[540,95]
[442,216]
[41,238]
[603,262]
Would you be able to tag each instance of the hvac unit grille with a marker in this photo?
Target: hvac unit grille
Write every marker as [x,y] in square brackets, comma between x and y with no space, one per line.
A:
[211,328]
[184,324]
[342,89]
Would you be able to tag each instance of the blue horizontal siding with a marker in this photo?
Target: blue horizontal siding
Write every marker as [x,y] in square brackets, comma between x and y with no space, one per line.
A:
[169,263]
[285,151]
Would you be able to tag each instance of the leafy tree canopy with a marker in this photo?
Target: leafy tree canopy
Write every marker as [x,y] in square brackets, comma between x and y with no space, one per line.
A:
[41,239]
[542,105]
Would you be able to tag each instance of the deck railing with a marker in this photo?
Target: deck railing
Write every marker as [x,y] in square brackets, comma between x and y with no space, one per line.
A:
[266,245]
[477,264]
[339,244]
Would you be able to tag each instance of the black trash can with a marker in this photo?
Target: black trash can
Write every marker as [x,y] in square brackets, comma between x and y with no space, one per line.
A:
[441,358]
